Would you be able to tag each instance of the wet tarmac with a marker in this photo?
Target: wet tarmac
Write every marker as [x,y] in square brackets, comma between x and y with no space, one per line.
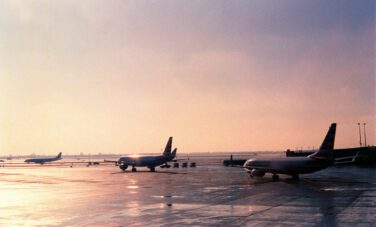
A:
[209,195]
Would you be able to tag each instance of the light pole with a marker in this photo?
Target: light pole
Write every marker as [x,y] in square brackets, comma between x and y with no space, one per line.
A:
[360,135]
[365,138]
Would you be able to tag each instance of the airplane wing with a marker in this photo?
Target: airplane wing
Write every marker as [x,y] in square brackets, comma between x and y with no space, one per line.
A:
[180,159]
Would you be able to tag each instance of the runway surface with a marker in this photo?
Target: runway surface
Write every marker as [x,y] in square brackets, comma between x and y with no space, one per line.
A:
[209,195]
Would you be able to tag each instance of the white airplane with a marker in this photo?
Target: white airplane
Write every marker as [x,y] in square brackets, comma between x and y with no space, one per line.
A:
[148,161]
[295,165]
[43,160]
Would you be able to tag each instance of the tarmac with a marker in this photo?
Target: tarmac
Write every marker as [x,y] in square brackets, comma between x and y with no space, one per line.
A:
[209,195]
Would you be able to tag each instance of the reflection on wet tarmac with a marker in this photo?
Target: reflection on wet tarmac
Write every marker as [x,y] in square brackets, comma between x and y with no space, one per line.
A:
[133,187]
[207,195]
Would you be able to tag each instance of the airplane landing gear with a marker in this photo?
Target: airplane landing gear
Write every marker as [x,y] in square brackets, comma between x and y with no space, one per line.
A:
[134,169]
[275,177]
[295,177]
[152,169]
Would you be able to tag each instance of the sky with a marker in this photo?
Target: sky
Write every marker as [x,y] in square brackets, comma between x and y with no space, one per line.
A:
[120,76]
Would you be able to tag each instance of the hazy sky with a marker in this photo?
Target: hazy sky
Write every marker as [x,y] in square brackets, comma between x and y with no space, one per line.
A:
[121,76]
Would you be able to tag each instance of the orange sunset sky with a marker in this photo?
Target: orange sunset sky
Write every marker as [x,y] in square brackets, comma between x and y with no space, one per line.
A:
[122,76]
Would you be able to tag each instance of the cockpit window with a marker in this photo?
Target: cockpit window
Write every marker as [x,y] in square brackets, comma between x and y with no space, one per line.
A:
[261,164]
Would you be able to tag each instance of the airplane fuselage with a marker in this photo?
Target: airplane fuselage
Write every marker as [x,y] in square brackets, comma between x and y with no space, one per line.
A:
[148,161]
[290,166]
[43,160]
[295,165]
[140,161]
[40,160]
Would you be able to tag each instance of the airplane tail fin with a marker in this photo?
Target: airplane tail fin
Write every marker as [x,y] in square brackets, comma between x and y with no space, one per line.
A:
[328,143]
[58,156]
[327,146]
[167,150]
[173,154]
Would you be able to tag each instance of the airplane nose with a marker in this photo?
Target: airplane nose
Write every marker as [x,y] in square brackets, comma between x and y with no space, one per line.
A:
[247,163]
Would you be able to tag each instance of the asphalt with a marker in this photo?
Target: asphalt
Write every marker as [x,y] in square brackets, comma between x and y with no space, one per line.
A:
[209,195]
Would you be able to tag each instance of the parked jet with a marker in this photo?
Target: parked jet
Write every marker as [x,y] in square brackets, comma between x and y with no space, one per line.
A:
[148,161]
[295,165]
[43,160]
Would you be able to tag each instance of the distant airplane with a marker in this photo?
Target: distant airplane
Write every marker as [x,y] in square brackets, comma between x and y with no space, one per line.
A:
[148,161]
[295,165]
[43,160]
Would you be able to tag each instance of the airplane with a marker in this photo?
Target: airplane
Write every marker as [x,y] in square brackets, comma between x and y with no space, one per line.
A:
[294,166]
[43,160]
[148,161]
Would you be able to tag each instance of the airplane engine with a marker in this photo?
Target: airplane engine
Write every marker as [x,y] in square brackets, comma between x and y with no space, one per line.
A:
[257,173]
[123,167]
